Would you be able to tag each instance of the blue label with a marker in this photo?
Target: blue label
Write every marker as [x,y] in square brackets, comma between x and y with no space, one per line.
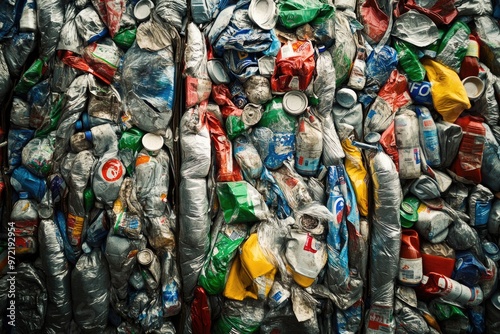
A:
[281,148]
[420,92]
[482,212]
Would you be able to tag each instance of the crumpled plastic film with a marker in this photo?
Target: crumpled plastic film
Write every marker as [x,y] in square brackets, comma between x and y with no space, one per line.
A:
[91,276]
[57,276]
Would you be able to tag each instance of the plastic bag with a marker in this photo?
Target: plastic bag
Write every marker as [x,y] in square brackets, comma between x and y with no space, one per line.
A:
[90,284]
[172,12]
[294,67]
[488,31]
[441,12]
[448,92]
[374,20]
[50,19]
[453,47]
[241,203]
[198,84]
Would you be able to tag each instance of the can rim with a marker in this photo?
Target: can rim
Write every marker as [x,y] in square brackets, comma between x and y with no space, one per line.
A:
[295,102]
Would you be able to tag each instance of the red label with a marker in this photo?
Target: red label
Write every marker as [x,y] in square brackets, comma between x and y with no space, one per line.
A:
[112,170]
[308,246]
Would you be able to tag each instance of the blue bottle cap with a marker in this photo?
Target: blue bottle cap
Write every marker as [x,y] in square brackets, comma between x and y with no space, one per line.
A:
[78,126]
[321,48]
[23,195]
[88,135]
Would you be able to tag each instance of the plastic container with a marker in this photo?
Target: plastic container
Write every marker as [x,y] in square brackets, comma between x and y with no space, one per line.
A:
[410,261]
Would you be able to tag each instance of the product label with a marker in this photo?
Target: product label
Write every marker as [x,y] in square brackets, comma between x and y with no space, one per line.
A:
[380,320]
[410,270]
[107,54]
[482,212]
[112,170]
[74,226]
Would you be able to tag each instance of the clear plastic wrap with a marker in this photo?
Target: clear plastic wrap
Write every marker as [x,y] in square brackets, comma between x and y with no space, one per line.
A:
[5,79]
[50,18]
[17,50]
[89,25]
[386,229]
[31,309]
[172,12]
[194,231]
[344,51]
[195,144]
[90,283]
[149,106]
[332,148]
[57,276]
[324,86]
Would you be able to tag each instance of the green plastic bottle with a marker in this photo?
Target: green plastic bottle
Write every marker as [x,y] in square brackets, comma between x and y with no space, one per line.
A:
[408,60]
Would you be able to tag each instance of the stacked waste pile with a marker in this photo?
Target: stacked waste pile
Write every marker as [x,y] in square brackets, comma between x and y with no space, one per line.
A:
[340,167]
[90,87]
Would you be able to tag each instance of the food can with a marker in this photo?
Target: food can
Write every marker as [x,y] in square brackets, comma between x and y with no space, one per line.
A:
[252,114]
[142,10]
[151,270]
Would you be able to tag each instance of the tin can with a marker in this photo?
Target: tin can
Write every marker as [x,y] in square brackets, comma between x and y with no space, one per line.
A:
[493,313]
[491,250]
[151,270]
[252,114]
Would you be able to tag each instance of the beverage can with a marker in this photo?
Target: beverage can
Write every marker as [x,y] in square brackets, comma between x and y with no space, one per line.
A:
[150,265]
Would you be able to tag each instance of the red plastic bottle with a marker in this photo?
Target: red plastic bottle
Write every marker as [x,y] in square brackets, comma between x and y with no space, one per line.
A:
[410,260]
[470,64]
[468,162]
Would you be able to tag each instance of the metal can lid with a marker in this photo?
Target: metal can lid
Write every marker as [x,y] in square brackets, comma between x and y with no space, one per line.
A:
[252,114]
[372,137]
[263,13]
[152,142]
[346,97]
[295,102]
[142,10]
[217,72]
[145,256]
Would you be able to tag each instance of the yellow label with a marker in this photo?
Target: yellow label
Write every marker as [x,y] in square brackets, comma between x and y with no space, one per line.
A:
[473,49]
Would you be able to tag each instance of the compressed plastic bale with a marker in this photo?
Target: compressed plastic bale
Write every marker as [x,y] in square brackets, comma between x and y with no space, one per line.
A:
[57,276]
[90,283]
[386,229]
[31,308]
[344,50]
[50,19]
[193,232]
[242,316]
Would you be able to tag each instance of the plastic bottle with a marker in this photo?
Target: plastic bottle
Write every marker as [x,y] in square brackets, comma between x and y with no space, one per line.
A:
[25,217]
[357,79]
[470,64]
[470,155]
[451,290]
[410,261]
[407,141]
[309,145]
[409,62]
[428,137]
[87,122]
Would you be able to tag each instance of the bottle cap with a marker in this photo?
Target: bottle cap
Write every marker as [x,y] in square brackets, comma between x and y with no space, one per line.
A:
[217,72]
[152,143]
[23,195]
[88,135]
[295,102]
[263,13]
[372,138]
[346,97]
[142,10]
[321,48]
